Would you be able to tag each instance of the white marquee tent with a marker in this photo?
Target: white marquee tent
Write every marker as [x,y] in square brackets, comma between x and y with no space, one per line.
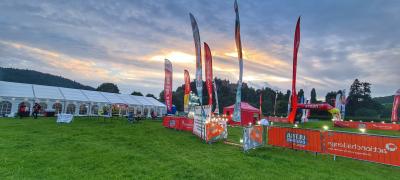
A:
[72,101]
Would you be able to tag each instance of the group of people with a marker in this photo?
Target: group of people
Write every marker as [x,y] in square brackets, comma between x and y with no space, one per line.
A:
[23,110]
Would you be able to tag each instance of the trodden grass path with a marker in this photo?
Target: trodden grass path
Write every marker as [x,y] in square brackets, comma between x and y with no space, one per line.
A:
[93,149]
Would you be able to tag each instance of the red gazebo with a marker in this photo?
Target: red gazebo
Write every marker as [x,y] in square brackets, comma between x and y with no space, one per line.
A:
[249,114]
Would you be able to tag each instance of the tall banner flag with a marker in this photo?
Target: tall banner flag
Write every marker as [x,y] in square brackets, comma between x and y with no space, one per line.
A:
[187,91]
[343,104]
[197,45]
[209,72]
[216,111]
[260,105]
[396,103]
[296,44]
[236,113]
[168,85]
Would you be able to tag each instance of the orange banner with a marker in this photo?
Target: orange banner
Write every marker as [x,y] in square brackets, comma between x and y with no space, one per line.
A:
[381,149]
[302,139]
[374,148]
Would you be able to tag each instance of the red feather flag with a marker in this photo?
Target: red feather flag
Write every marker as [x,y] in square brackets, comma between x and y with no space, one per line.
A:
[209,72]
[296,45]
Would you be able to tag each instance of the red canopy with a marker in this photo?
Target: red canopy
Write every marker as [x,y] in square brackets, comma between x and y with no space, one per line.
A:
[249,114]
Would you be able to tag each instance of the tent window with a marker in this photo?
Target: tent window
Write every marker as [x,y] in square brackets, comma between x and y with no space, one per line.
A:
[95,109]
[57,108]
[145,111]
[43,108]
[70,109]
[83,109]
[5,108]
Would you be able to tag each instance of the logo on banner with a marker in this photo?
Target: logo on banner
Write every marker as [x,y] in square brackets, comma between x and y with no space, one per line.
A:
[391,147]
[296,138]
[172,123]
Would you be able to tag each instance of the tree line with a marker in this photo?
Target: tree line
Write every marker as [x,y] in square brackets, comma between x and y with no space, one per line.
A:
[359,100]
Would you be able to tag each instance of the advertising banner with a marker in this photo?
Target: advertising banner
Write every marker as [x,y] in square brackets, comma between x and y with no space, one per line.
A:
[216,130]
[199,122]
[197,45]
[302,139]
[64,118]
[209,73]
[253,137]
[363,147]
[367,125]
[168,85]
[216,99]
[396,103]
[187,91]
[236,114]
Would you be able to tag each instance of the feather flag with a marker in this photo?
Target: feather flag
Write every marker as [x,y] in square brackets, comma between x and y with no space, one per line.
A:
[197,45]
[260,105]
[209,72]
[296,46]
[168,85]
[236,113]
[187,91]
[216,111]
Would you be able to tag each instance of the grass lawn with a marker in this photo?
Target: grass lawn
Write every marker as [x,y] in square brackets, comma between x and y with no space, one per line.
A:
[93,149]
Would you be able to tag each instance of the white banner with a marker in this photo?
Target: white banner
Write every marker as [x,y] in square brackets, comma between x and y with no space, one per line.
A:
[200,120]
[64,118]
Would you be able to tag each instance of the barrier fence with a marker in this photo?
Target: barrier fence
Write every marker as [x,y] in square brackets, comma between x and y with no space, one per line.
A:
[374,148]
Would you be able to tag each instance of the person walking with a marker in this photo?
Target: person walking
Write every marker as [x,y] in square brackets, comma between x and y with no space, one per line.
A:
[36,110]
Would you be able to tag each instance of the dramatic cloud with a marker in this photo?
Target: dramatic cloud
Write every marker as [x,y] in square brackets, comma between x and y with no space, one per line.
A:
[125,42]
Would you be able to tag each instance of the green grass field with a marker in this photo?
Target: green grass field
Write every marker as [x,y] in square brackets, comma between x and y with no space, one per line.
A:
[94,149]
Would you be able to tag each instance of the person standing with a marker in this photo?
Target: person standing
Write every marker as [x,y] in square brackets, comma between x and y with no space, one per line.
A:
[36,109]
[21,110]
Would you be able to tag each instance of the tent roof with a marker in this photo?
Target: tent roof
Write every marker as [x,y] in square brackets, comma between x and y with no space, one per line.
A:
[113,98]
[95,96]
[11,89]
[22,90]
[47,92]
[142,100]
[155,102]
[128,98]
[73,94]
[243,106]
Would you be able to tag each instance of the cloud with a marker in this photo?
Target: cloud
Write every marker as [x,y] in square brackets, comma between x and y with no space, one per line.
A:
[126,41]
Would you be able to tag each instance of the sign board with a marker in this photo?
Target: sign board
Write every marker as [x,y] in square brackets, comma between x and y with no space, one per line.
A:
[302,139]
[379,149]
[374,148]
[64,118]
[367,125]
[253,137]
[201,115]
[216,130]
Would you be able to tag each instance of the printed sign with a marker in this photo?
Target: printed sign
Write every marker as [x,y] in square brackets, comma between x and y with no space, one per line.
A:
[302,139]
[216,130]
[201,115]
[364,147]
[64,118]
[253,137]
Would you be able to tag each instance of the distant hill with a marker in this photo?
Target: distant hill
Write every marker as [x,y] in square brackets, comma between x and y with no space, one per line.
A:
[35,77]
[385,99]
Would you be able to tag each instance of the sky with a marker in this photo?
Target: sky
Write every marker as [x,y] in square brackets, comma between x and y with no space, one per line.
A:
[125,42]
